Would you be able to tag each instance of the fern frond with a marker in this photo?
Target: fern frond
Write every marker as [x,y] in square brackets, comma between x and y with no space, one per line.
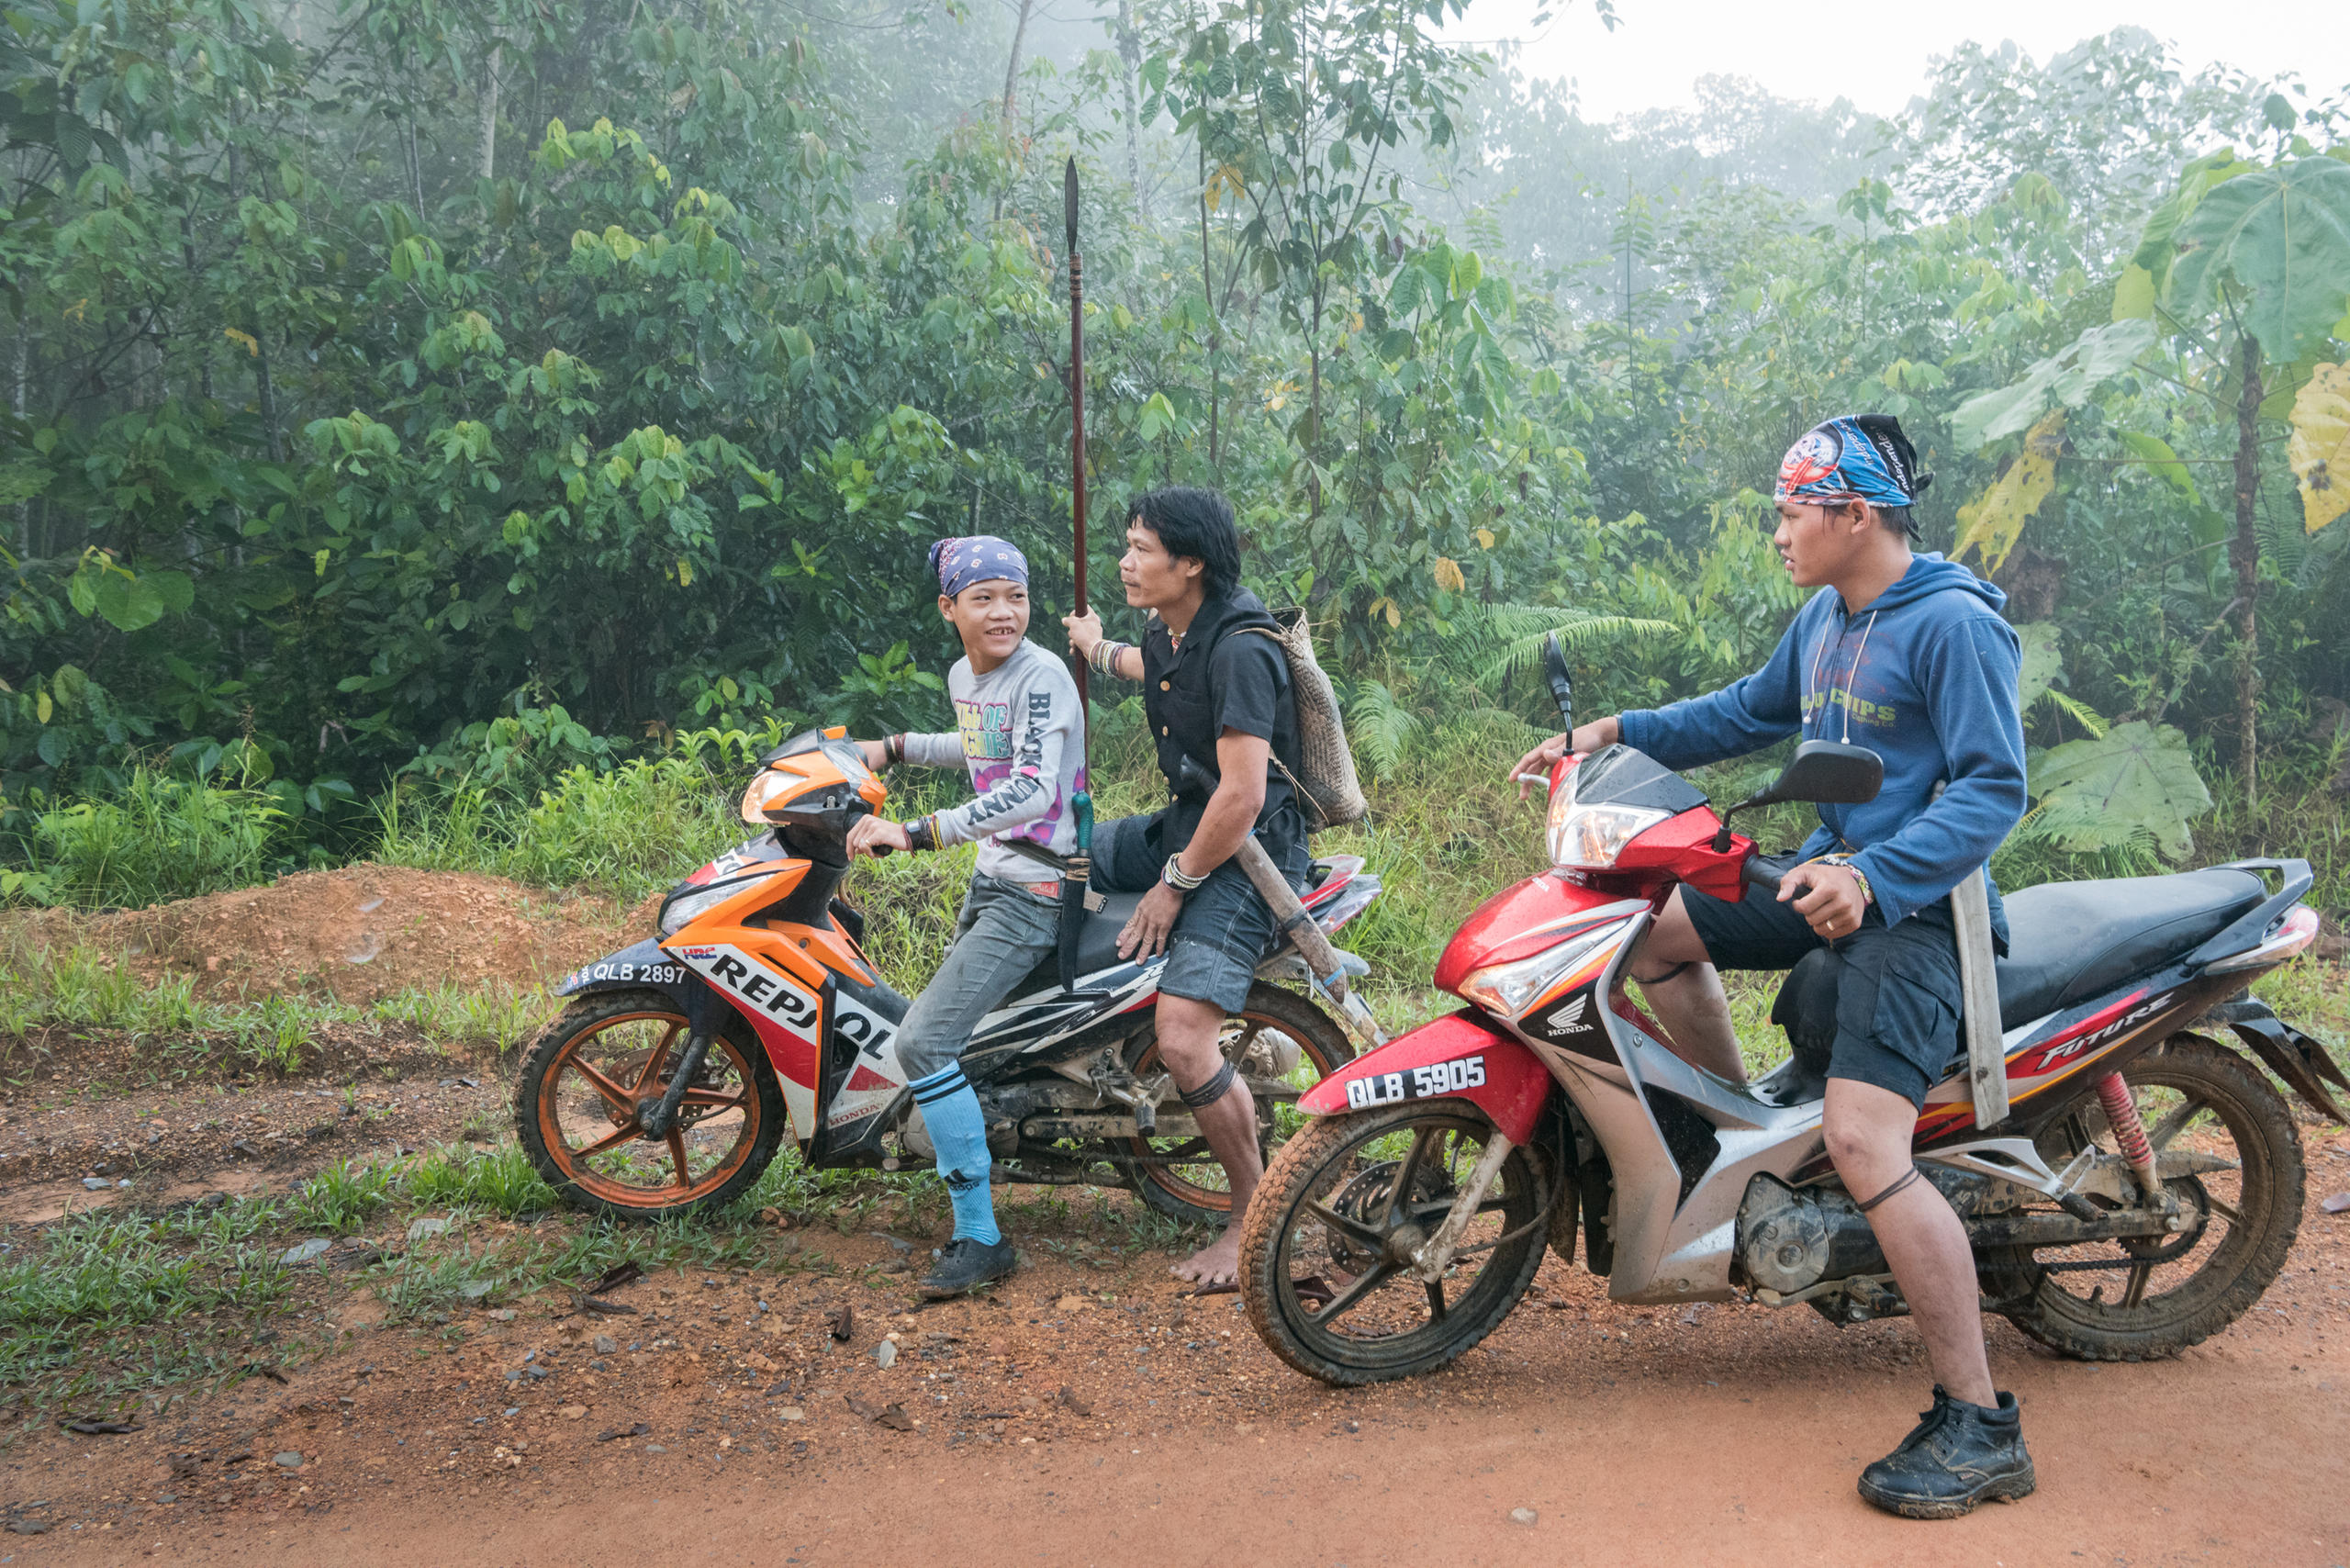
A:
[1378,726]
[2081,713]
[1496,640]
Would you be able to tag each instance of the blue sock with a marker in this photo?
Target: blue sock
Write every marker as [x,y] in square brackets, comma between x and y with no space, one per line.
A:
[951,1111]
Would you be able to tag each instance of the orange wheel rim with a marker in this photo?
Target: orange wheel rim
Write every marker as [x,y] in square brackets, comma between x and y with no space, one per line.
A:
[588,1102]
[1169,1179]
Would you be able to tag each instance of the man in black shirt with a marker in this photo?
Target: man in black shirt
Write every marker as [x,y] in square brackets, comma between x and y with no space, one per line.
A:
[1216,691]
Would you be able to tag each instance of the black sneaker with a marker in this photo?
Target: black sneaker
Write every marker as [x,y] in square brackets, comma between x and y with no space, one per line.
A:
[965,1264]
[1959,1455]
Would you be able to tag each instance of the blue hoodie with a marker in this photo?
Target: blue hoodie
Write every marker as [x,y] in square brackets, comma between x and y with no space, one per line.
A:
[1926,677]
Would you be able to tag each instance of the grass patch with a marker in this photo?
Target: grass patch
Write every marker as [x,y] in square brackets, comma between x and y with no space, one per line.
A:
[162,837]
[630,831]
[497,1016]
[498,1179]
[108,1305]
[84,988]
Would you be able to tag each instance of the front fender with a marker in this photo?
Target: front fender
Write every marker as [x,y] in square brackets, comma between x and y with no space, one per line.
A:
[1462,1055]
[641,968]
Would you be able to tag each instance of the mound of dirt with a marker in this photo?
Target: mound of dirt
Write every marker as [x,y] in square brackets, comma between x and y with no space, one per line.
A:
[358,932]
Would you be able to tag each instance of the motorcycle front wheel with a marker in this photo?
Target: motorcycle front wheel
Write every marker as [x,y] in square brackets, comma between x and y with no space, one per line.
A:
[1323,1250]
[2213,1118]
[611,1053]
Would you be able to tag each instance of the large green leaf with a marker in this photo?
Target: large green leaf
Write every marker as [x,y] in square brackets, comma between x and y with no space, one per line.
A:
[2065,377]
[2138,782]
[2282,235]
[2043,660]
[2161,461]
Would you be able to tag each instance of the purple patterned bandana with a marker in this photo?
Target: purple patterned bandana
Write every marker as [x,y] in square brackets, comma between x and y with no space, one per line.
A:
[979,558]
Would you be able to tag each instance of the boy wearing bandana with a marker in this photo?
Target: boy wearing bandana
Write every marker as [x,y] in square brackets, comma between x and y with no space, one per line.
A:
[1906,654]
[1019,733]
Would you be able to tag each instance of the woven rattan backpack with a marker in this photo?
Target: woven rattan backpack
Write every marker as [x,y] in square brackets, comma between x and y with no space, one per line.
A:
[1327,792]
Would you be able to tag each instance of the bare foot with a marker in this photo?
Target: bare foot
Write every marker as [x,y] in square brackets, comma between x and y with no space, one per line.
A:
[1217,1263]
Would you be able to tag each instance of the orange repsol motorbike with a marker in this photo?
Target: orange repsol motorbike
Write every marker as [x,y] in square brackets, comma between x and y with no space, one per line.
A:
[669,1081]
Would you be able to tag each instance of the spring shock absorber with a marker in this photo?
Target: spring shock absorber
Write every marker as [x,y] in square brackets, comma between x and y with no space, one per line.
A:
[2129,1133]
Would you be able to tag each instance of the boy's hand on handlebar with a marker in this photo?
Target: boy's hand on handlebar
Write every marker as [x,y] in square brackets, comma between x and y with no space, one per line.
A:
[1084,632]
[1828,897]
[876,835]
[1586,739]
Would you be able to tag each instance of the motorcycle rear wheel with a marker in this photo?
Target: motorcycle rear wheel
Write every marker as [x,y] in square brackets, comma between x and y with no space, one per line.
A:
[1318,1250]
[1186,1183]
[576,1111]
[2142,1299]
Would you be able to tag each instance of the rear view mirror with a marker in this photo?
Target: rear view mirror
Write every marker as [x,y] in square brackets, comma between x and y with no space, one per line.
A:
[1561,684]
[1827,773]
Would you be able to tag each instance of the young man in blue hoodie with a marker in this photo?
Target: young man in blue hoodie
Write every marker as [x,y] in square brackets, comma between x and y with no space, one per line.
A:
[1906,654]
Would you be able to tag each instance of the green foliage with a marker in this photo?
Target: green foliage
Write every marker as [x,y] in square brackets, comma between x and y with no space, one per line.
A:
[500,1180]
[364,455]
[2136,784]
[2282,237]
[162,837]
[344,1198]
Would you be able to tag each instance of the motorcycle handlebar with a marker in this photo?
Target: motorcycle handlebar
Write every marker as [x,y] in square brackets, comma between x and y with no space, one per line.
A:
[1758,875]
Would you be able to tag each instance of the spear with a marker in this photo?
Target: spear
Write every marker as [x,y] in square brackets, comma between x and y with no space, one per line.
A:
[1079,870]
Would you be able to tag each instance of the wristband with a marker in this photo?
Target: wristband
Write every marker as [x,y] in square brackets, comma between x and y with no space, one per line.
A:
[1103,660]
[893,749]
[922,834]
[1868,894]
[1176,879]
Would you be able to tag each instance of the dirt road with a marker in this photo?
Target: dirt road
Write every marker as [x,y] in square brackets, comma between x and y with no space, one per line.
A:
[707,1427]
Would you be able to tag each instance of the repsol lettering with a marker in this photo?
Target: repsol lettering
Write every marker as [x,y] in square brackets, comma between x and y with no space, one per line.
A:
[868,1034]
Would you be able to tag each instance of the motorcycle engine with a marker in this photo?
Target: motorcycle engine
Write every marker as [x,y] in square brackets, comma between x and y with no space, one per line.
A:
[1790,1240]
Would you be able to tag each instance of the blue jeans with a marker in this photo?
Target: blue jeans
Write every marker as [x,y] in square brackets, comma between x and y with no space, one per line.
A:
[1003,931]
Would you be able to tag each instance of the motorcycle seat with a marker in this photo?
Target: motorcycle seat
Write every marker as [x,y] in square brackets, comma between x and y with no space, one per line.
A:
[2068,941]
[1097,946]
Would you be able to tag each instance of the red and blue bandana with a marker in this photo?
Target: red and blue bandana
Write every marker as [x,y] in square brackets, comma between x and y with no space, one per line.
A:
[977,558]
[1862,457]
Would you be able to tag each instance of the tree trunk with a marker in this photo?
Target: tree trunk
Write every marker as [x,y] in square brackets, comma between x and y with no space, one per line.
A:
[268,395]
[17,404]
[488,117]
[1130,54]
[415,172]
[1011,70]
[2244,554]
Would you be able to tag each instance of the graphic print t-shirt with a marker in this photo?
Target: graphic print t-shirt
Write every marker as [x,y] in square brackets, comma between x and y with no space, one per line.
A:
[1019,731]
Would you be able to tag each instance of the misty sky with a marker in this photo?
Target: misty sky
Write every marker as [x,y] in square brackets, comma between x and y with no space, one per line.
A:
[1876,54]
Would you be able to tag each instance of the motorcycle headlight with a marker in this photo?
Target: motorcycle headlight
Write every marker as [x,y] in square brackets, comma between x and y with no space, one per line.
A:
[692,906]
[1507,990]
[1590,837]
[769,786]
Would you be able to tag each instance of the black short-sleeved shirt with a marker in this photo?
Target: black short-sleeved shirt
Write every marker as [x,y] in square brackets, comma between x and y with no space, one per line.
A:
[1222,677]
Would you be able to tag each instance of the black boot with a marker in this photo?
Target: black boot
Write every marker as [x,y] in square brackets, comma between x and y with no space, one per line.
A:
[1959,1455]
[965,1264]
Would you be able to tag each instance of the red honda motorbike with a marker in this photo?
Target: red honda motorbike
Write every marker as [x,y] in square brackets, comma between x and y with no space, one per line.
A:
[2139,1196]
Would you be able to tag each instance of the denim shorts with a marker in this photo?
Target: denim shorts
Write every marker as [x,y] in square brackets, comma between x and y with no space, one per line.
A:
[1003,933]
[1897,993]
[1221,935]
